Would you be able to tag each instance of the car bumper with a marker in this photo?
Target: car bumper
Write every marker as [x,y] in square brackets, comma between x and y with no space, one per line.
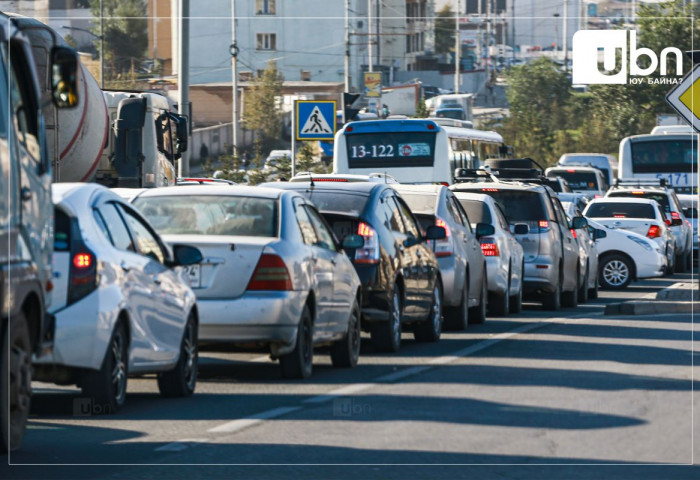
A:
[497,275]
[653,265]
[451,289]
[255,318]
[540,276]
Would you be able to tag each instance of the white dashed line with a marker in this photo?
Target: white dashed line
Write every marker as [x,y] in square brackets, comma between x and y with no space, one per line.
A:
[241,423]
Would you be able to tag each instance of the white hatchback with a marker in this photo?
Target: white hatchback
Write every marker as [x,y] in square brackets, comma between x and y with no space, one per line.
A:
[120,305]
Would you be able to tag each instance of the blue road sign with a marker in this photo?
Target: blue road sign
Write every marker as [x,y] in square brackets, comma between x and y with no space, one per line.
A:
[315,119]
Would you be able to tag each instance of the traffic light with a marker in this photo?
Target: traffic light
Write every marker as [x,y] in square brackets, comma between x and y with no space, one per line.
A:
[349,112]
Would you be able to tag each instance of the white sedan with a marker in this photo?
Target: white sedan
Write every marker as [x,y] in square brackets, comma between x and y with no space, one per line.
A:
[624,256]
[120,305]
[274,276]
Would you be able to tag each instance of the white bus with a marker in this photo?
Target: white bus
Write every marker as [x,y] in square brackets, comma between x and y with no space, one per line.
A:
[671,156]
[412,150]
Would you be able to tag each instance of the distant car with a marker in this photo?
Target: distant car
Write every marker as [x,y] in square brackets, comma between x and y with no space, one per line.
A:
[121,305]
[456,113]
[603,162]
[462,264]
[585,180]
[639,215]
[401,282]
[504,255]
[624,256]
[689,203]
[275,156]
[273,277]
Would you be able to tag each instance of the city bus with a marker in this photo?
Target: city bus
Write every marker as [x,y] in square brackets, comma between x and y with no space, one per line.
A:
[413,150]
[669,156]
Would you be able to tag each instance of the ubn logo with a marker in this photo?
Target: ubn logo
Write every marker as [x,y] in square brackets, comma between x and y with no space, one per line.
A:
[585,66]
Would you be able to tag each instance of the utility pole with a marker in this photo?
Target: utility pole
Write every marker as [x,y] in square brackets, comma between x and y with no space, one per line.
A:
[377,30]
[564,40]
[234,72]
[512,27]
[369,35]
[183,76]
[458,48]
[102,48]
[347,45]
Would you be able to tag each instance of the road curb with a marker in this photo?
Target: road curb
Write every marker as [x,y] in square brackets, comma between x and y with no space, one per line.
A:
[648,308]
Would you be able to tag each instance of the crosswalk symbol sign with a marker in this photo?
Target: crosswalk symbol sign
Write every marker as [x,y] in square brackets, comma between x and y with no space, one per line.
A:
[315,120]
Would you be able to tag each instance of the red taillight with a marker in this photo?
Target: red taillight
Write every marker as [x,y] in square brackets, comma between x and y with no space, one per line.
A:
[571,170]
[369,252]
[668,222]
[573,232]
[489,248]
[330,179]
[445,184]
[636,192]
[620,215]
[82,260]
[654,232]
[489,189]
[675,215]
[431,126]
[443,248]
[349,129]
[270,274]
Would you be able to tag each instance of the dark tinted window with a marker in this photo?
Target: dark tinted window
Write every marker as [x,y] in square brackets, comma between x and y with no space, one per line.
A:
[61,231]
[579,180]
[518,205]
[390,149]
[662,198]
[620,210]
[478,211]
[663,156]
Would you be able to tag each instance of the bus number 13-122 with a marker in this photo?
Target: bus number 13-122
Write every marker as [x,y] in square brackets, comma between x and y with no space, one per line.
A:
[374,151]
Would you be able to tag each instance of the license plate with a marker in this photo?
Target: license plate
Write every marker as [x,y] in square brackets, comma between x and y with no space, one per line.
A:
[193,274]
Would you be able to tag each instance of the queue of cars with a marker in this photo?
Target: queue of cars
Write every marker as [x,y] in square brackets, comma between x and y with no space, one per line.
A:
[289,267]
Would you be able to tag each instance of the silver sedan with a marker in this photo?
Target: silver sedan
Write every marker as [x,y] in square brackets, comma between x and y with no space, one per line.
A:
[273,277]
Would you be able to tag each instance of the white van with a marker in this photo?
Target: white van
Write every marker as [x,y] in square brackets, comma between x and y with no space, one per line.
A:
[603,162]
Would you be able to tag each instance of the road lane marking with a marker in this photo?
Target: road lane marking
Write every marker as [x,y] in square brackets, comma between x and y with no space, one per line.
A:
[181,445]
[339,392]
[241,423]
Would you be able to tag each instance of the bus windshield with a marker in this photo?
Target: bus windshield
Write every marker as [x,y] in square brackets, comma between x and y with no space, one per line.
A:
[663,156]
[390,149]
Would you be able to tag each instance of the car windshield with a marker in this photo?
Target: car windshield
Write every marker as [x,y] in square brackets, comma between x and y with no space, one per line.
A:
[478,212]
[518,205]
[620,210]
[662,198]
[211,215]
[420,202]
[336,201]
[579,180]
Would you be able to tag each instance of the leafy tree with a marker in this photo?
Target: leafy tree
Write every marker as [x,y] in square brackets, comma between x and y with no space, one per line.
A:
[422,110]
[445,30]
[309,160]
[125,24]
[263,113]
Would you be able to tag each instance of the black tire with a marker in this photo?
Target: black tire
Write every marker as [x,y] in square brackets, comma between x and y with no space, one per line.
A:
[16,381]
[499,304]
[615,272]
[516,301]
[345,353]
[299,362]
[583,290]
[106,387]
[552,301]
[679,263]
[477,315]
[689,262]
[670,269]
[182,380]
[570,299]
[386,336]
[431,328]
[457,318]
[593,292]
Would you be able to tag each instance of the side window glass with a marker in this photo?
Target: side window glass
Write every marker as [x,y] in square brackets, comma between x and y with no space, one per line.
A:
[116,229]
[305,226]
[24,109]
[550,208]
[325,237]
[102,225]
[408,220]
[462,213]
[501,218]
[146,242]
[453,213]
[393,215]
[561,216]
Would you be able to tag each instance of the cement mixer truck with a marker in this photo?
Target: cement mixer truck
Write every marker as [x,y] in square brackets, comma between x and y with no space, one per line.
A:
[119,139]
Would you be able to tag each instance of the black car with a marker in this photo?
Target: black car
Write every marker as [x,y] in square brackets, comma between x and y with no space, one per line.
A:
[401,284]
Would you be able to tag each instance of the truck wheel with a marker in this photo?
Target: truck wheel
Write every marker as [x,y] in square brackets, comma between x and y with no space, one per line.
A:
[299,362]
[16,379]
[107,386]
[181,380]
[346,351]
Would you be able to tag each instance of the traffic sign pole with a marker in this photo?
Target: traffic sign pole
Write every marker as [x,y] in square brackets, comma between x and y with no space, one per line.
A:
[294,137]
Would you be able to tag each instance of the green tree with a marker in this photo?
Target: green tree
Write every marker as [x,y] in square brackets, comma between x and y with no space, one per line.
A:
[445,30]
[422,110]
[309,160]
[263,113]
[125,24]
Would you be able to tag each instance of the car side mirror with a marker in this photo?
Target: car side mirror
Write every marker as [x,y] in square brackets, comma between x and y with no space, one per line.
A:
[578,223]
[353,241]
[484,230]
[521,229]
[599,233]
[64,77]
[186,255]
[435,233]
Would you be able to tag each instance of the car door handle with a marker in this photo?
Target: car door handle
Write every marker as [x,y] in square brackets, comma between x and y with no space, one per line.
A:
[125,267]
[25,194]
[156,279]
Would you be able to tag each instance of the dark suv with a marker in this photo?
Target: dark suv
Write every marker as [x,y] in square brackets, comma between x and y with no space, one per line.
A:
[401,283]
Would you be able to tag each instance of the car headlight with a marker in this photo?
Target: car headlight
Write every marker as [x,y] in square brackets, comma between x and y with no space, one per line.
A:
[640,241]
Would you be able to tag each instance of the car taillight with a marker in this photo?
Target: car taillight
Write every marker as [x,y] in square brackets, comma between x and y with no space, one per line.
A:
[270,274]
[654,232]
[675,216]
[668,222]
[443,248]
[83,275]
[369,252]
[573,232]
[489,247]
[543,225]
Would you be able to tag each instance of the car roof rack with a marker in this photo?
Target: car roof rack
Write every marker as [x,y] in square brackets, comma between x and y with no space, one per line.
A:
[640,182]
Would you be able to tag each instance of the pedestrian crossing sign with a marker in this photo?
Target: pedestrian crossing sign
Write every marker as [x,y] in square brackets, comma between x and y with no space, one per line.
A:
[315,119]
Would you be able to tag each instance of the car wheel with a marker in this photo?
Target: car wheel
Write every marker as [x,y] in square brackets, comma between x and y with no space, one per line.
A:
[583,290]
[457,318]
[615,272]
[552,301]
[477,315]
[107,386]
[593,292]
[386,336]
[299,362]
[346,351]
[16,381]
[430,329]
[679,263]
[499,303]
[689,261]
[516,301]
[181,380]
[671,265]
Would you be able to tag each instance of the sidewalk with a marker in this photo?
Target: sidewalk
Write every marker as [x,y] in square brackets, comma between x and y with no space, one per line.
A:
[678,298]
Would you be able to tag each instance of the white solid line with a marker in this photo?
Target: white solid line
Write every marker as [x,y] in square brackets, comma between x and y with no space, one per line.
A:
[181,445]
[392,377]
[339,392]
[241,423]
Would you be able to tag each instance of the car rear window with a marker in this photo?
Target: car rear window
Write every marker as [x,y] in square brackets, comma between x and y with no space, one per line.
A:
[61,231]
[211,215]
[420,202]
[620,210]
[478,212]
[518,205]
[662,198]
[336,201]
[579,180]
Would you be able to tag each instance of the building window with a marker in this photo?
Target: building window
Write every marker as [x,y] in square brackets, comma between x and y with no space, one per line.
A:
[265,7]
[266,41]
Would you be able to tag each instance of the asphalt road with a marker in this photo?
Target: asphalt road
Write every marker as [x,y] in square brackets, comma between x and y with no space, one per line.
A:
[578,395]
